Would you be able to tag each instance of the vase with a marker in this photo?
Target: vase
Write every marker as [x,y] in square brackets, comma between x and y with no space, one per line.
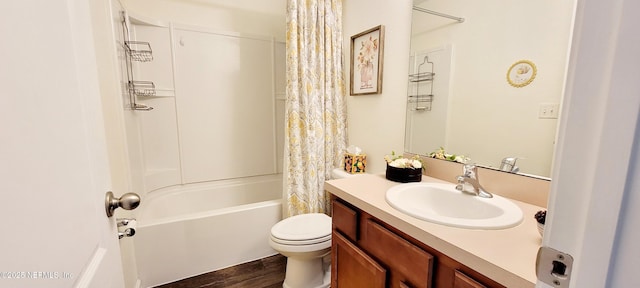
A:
[366,76]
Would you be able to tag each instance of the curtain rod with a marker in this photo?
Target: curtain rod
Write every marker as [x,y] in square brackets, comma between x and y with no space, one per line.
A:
[460,20]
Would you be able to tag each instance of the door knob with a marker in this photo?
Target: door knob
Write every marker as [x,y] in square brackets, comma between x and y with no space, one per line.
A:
[128,201]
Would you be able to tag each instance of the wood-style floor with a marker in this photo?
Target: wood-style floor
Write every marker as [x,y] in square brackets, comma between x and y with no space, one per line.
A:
[264,273]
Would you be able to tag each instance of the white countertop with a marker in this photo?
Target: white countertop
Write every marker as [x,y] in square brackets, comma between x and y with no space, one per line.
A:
[507,256]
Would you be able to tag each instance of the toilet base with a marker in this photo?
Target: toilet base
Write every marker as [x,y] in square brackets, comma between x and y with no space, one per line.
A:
[307,274]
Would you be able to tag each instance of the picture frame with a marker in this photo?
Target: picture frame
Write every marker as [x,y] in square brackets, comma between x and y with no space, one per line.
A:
[367,55]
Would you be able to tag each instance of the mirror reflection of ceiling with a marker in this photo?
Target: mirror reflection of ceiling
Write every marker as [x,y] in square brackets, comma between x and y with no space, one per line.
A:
[474,110]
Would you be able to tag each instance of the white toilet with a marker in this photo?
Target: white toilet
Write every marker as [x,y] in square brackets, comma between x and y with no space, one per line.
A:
[305,240]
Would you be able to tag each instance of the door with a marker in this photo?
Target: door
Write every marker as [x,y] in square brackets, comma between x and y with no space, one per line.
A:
[54,170]
[595,175]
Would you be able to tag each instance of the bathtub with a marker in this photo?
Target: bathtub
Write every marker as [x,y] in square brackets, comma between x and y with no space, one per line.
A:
[197,228]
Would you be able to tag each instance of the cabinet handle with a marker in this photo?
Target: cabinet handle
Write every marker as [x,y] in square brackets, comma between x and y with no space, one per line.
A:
[404,285]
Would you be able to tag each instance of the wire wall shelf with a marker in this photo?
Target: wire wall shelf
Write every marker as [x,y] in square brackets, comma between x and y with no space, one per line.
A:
[419,77]
[142,88]
[139,51]
[422,102]
[141,107]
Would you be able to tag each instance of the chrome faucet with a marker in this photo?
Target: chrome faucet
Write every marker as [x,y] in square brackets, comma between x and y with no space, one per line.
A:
[470,176]
[508,164]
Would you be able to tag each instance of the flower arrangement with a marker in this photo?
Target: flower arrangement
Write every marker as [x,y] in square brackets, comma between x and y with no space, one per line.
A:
[366,57]
[400,169]
[541,216]
[368,52]
[441,154]
[400,162]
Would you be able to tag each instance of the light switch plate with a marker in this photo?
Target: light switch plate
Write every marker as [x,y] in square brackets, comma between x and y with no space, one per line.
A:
[548,111]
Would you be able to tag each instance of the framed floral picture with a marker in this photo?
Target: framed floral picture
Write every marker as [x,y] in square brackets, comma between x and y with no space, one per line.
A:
[367,50]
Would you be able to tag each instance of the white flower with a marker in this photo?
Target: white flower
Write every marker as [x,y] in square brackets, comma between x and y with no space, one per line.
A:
[399,163]
[440,154]
[406,163]
[460,159]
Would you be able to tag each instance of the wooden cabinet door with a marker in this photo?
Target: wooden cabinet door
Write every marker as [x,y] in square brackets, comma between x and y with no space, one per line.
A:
[409,266]
[345,220]
[351,267]
[461,280]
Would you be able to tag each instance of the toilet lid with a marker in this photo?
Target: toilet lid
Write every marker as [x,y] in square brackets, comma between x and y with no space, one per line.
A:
[303,229]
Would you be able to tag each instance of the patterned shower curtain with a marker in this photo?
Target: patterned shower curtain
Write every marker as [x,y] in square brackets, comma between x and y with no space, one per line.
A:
[315,114]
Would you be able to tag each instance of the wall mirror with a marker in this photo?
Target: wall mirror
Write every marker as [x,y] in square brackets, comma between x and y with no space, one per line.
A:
[459,96]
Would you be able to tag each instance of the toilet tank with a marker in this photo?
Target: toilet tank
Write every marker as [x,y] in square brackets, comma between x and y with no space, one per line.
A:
[339,173]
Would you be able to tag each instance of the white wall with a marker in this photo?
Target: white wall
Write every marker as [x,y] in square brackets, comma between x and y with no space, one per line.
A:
[376,122]
[485,112]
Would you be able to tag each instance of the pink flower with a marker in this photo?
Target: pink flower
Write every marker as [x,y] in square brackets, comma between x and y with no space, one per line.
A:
[368,51]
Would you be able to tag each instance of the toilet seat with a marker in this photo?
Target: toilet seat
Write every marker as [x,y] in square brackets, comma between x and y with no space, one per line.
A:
[301,242]
[306,241]
[305,229]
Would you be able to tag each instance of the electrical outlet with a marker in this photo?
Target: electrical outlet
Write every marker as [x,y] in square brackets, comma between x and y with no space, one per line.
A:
[548,111]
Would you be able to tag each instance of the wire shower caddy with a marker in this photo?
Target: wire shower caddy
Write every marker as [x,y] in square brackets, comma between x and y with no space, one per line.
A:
[138,51]
[422,101]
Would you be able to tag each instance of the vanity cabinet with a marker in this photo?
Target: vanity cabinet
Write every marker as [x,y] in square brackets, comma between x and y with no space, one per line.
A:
[367,252]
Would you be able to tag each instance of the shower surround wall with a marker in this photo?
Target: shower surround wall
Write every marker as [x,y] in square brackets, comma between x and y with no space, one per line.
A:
[217,117]
[215,108]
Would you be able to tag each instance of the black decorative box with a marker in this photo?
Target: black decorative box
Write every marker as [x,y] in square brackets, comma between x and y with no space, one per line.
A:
[404,175]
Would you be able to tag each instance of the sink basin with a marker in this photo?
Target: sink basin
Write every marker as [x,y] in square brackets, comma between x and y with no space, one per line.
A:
[443,204]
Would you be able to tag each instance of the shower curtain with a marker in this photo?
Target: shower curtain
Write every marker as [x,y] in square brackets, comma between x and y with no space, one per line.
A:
[315,113]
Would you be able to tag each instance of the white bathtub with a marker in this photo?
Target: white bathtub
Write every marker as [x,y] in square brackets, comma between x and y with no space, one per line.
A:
[197,228]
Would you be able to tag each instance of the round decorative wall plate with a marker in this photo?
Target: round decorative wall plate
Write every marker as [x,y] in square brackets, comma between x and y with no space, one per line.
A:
[521,73]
